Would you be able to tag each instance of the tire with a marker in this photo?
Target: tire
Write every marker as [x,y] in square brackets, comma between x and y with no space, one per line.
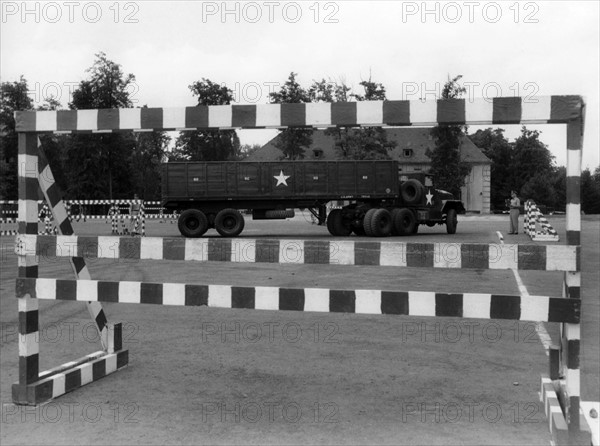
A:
[405,222]
[367,222]
[451,221]
[192,223]
[229,222]
[280,214]
[381,223]
[412,191]
[336,225]
[394,212]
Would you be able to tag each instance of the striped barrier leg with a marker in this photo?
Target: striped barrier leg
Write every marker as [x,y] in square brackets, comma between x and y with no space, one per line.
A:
[570,333]
[27,267]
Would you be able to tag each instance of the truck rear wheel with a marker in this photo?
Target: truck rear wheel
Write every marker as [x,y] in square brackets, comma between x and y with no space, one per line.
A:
[381,223]
[192,223]
[412,191]
[451,221]
[336,224]
[367,222]
[405,222]
[229,222]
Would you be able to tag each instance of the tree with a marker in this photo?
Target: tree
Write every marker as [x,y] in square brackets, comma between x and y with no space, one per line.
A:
[149,152]
[100,163]
[14,97]
[446,165]
[539,188]
[590,191]
[530,158]
[207,145]
[292,141]
[366,143]
[497,148]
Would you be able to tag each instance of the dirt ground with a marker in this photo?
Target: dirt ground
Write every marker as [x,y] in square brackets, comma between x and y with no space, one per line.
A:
[202,375]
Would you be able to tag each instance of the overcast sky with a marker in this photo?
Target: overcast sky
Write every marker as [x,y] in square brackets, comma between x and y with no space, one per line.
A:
[501,49]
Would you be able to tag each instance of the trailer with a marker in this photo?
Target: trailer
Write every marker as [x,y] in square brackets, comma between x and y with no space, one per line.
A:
[380,201]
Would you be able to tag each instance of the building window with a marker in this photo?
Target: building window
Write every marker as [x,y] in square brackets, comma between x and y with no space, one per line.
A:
[407,153]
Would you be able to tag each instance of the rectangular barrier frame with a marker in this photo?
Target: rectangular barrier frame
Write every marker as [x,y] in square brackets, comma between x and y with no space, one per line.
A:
[34,172]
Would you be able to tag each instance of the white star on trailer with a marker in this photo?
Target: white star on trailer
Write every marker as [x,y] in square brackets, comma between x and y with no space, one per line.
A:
[429,196]
[281,178]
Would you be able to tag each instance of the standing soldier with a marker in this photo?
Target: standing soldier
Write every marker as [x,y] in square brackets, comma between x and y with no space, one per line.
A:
[515,203]
[134,214]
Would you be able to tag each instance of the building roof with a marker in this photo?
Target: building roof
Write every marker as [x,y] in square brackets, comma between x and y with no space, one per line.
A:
[416,138]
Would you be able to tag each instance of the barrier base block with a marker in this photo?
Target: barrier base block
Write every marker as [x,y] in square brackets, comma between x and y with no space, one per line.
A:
[545,238]
[68,377]
[557,423]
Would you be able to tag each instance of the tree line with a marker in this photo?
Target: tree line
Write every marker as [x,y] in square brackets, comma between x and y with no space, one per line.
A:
[119,165]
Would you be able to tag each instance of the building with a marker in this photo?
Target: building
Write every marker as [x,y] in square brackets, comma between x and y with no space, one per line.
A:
[410,151]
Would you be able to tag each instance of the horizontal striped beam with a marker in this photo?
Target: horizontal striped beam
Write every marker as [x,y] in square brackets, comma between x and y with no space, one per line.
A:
[507,110]
[410,303]
[335,252]
[68,377]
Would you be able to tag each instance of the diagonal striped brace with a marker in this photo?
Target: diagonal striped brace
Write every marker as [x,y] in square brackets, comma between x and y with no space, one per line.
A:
[53,197]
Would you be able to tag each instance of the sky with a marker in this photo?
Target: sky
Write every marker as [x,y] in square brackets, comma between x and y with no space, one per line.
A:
[500,48]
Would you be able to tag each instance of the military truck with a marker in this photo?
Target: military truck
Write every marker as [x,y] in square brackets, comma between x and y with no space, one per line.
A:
[380,201]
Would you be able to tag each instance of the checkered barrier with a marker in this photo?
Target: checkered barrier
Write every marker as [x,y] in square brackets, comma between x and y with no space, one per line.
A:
[533,216]
[408,303]
[288,251]
[565,310]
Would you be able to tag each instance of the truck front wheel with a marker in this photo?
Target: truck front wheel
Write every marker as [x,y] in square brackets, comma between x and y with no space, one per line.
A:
[451,221]
[229,222]
[405,222]
[192,223]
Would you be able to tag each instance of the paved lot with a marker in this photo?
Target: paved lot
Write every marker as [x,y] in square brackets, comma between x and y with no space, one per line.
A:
[215,376]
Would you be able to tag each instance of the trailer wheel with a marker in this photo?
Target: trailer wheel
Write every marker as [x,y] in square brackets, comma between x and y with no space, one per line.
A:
[412,191]
[336,224]
[229,222]
[192,223]
[367,222]
[381,223]
[405,221]
[451,221]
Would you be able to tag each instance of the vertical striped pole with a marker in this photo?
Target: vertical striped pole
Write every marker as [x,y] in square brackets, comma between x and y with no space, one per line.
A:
[571,333]
[27,265]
